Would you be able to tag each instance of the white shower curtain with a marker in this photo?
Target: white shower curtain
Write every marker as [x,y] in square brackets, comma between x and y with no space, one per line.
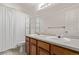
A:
[12,27]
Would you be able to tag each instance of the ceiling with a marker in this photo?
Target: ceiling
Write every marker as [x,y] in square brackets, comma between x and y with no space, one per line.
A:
[31,8]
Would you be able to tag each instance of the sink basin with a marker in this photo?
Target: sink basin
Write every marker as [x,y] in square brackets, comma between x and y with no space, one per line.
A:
[64,39]
[51,37]
[43,35]
[67,39]
[54,38]
[59,39]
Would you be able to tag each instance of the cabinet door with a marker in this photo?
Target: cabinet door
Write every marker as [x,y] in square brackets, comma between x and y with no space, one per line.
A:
[32,49]
[43,45]
[27,47]
[42,51]
[52,50]
[63,51]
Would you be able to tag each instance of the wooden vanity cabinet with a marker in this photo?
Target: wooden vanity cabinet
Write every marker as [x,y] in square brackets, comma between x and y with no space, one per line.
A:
[38,47]
[52,49]
[63,51]
[43,48]
[27,46]
[57,50]
[42,51]
[33,46]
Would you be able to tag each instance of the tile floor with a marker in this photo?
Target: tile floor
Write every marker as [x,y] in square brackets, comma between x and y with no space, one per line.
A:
[14,51]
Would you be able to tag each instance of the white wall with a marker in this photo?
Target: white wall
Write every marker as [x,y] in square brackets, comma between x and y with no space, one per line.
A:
[68,17]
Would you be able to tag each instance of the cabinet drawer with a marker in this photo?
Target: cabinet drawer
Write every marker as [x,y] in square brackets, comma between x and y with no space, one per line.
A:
[69,52]
[33,41]
[43,45]
[63,51]
[42,52]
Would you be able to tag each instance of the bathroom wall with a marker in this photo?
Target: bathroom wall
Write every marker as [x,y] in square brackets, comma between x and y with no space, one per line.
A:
[68,17]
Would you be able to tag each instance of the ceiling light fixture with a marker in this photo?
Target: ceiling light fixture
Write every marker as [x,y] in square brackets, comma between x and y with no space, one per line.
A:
[43,5]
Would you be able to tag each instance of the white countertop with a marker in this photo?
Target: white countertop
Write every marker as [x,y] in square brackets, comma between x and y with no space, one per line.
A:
[63,42]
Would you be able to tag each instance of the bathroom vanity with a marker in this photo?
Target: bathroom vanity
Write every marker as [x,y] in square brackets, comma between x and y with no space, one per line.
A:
[41,45]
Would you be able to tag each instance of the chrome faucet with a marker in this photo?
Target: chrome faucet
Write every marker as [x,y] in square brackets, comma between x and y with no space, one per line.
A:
[60,36]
